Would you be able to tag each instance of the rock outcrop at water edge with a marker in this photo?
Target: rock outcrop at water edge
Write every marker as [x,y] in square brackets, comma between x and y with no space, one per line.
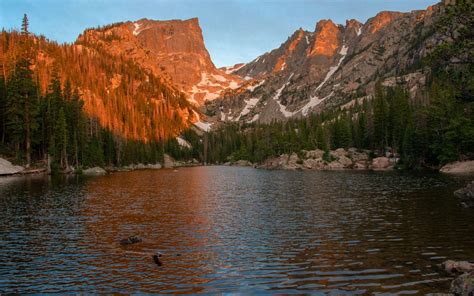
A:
[94,171]
[7,168]
[466,195]
[458,167]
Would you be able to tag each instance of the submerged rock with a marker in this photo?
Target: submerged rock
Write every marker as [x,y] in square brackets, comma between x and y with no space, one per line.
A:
[130,240]
[466,195]
[7,168]
[94,171]
[463,285]
[156,259]
[458,167]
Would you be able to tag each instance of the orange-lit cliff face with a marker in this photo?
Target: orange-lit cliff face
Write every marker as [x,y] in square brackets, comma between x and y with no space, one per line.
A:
[381,20]
[173,49]
[118,94]
[327,39]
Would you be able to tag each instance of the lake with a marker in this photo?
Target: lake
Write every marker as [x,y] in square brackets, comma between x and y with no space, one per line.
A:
[231,229]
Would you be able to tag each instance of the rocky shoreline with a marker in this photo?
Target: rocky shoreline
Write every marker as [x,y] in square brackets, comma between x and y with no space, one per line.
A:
[339,159]
[9,169]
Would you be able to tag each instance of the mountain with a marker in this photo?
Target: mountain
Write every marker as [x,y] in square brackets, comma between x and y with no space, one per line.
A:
[118,94]
[173,49]
[330,66]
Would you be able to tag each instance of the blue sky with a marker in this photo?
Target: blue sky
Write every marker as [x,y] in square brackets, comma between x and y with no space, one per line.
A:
[234,30]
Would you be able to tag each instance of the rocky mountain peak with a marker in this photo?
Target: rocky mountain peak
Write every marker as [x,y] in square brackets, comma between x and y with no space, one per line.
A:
[173,48]
[381,20]
[327,39]
[311,71]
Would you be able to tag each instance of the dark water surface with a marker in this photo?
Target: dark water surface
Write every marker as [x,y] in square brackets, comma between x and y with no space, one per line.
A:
[236,230]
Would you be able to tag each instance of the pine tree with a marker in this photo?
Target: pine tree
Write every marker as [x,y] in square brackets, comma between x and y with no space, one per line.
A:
[24,25]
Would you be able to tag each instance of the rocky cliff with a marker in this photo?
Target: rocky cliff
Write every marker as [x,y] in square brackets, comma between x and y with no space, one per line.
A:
[331,66]
[173,49]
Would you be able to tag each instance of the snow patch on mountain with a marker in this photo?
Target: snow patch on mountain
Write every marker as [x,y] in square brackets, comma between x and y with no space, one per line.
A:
[253,87]
[137,28]
[250,104]
[232,69]
[313,102]
[205,126]
[277,95]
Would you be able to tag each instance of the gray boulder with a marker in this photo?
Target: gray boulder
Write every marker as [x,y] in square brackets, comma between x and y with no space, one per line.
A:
[381,163]
[360,165]
[338,153]
[94,171]
[335,165]
[7,168]
[168,161]
[292,163]
[357,156]
[315,154]
[314,164]
[140,166]
[155,166]
[458,167]
[345,161]
[466,195]
[242,163]
[463,285]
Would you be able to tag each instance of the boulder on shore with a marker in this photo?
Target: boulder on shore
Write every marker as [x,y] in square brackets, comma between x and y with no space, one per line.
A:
[335,165]
[466,195]
[293,162]
[242,163]
[381,163]
[94,171]
[458,167]
[360,165]
[315,154]
[7,168]
[155,166]
[463,285]
[168,161]
[314,164]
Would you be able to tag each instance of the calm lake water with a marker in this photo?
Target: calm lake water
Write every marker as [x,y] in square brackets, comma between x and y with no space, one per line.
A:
[228,229]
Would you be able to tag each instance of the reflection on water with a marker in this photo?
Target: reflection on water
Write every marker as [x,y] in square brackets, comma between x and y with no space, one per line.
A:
[232,229]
